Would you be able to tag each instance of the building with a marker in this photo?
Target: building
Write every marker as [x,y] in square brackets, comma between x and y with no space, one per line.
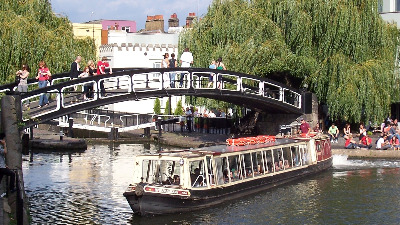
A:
[89,30]
[142,50]
[155,23]
[390,11]
[98,30]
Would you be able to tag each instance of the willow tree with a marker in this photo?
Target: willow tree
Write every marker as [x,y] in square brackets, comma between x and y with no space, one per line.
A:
[340,49]
[30,32]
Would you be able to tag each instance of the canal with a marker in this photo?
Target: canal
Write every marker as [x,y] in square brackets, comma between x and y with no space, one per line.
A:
[87,187]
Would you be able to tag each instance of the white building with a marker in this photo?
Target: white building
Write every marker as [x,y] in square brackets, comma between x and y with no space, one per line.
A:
[140,50]
[390,11]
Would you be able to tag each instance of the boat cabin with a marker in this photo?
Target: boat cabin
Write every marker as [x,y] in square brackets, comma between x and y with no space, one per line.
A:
[220,166]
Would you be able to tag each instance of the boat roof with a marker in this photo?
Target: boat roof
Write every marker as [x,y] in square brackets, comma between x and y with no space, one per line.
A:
[219,149]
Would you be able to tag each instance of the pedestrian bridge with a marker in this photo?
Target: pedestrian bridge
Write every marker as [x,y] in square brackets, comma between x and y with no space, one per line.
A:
[135,84]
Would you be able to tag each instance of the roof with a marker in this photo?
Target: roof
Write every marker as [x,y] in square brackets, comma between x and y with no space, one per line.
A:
[219,149]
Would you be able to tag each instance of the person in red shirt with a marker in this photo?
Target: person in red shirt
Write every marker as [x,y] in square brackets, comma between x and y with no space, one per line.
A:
[43,76]
[350,143]
[365,142]
[394,142]
[304,127]
[101,69]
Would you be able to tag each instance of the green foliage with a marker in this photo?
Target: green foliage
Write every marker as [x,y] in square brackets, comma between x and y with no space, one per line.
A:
[341,49]
[179,108]
[157,106]
[31,32]
[167,109]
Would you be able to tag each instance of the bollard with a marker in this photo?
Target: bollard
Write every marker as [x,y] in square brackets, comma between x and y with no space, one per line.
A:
[70,127]
[147,132]
[61,135]
[159,128]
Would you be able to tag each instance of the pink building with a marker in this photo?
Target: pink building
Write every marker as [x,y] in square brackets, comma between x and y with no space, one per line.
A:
[127,25]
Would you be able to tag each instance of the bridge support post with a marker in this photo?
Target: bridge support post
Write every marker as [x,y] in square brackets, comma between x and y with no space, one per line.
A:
[159,128]
[147,132]
[11,116]
[113,135]
[31,133]
[70,127]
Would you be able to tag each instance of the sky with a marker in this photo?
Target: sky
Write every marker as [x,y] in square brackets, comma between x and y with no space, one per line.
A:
[79,11]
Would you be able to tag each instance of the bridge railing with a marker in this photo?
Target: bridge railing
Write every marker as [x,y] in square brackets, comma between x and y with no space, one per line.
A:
[65,95]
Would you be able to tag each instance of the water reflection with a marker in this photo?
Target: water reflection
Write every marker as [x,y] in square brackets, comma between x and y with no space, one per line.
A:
[87,187]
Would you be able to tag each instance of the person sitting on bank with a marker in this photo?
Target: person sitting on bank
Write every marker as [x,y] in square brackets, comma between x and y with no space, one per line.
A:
[333,133]
[4,170]
[350,143]
[366,142]
[394,142]
[382,143]
[317,128]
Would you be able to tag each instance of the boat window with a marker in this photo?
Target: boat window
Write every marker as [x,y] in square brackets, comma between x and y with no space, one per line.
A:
[278,159]
[197,173]
[235,167]
[258,163]
[211,175]
[296,156]
[304,155]
[247,165]
[166,172]
[222,170]
[287,153]
[268,160]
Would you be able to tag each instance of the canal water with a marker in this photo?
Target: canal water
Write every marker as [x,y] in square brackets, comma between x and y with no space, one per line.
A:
[87,187]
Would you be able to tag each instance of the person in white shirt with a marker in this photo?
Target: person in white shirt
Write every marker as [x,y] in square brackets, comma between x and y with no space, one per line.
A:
[189,119]
[382,144]
[186,62]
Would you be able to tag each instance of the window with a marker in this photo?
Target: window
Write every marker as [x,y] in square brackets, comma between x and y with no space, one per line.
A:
[127,29]
[164,172]
[397,5]
[222,171]
[197,173]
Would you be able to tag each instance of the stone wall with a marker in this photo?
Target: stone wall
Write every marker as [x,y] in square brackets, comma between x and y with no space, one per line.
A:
[270,123]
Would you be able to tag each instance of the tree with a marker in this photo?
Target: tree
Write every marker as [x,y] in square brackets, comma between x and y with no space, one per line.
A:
[167,109]
[179,108]
[340,49]
[31,32]
[157,106]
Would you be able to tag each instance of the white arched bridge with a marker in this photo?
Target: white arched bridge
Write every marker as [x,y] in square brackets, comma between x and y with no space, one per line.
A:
[136,84]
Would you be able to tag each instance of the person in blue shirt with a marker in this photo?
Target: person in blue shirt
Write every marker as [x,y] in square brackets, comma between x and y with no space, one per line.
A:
[212,66]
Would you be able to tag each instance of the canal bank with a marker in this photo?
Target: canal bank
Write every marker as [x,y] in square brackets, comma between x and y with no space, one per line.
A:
[50,139]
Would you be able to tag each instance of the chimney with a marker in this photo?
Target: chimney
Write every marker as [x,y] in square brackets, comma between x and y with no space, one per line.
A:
[173,21]
[189,20]
[154,23]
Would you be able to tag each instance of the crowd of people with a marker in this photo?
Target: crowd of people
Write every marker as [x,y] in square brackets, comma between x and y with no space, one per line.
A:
[44,76]
[389,137]
[90,69]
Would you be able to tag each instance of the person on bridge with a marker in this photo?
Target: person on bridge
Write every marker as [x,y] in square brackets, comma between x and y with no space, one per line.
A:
[101,69]
[85,74]
[74,72]
[23,75]
[4,170]
[173,63]
[220,66]
[186,62]
[43,76]
[92,72]
[211,77]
